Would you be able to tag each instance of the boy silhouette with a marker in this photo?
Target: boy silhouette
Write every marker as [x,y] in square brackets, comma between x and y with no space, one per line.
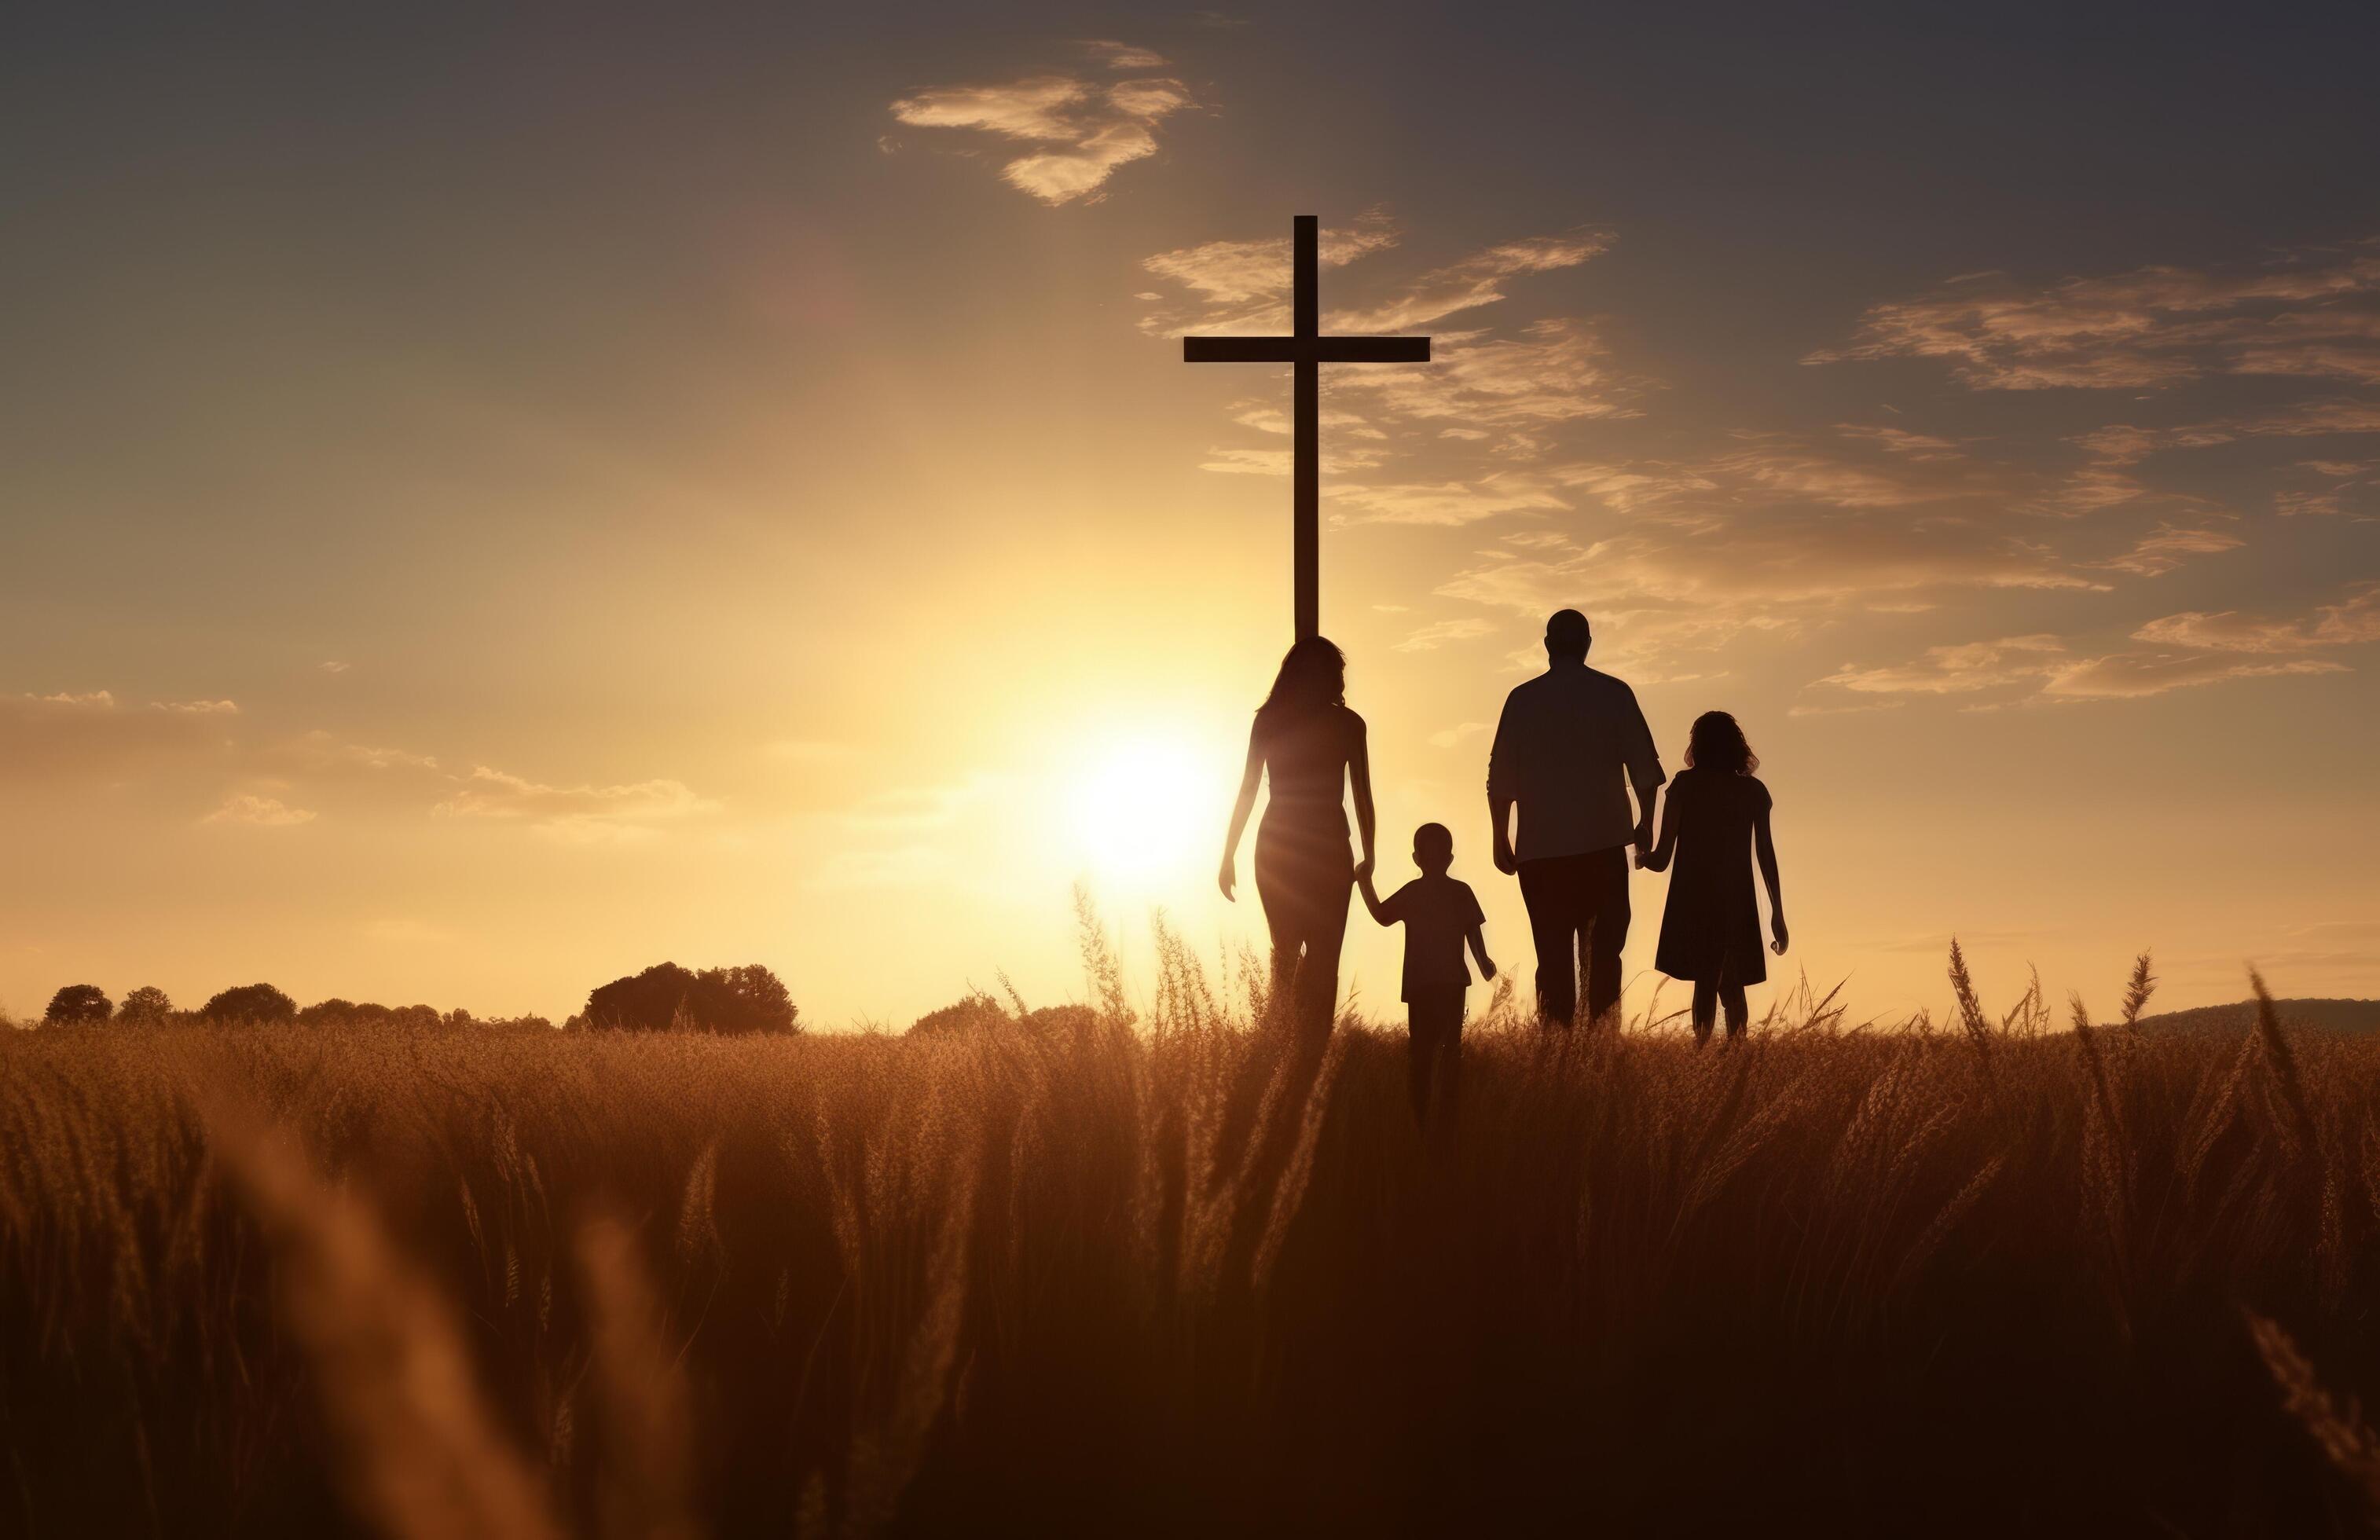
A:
[1440,914]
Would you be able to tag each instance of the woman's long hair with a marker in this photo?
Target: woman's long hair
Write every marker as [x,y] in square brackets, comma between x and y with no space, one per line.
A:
[1313,674]
[1717,743]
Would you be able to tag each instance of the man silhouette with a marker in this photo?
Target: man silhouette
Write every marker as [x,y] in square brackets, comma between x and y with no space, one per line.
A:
[1561,746]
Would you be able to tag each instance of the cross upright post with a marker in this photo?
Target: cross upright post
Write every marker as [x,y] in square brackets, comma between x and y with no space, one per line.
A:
[1306,349]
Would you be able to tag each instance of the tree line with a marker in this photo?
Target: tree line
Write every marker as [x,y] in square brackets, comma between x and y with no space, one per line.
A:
[663,998]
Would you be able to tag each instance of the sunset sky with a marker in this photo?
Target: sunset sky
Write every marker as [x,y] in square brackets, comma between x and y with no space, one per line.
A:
[488,505]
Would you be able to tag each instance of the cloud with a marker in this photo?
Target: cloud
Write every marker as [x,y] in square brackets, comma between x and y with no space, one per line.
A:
[1451,736]
[197,708]
[573,815]
[1239,461]
[1122,55]
[1431,638]
[1451,502]
[264,812]
[87,737]
[2308,313]
[1089,127]
[2163,549]
[1901,441]
[1506,389]
[1466,285]
[2131,675]
[2042,669]
[2352,620]
[1844,708]
[2125,445]
[1244,285]
[1959,669]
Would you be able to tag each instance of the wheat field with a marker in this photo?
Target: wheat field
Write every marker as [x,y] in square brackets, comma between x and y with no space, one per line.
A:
[1149,1271]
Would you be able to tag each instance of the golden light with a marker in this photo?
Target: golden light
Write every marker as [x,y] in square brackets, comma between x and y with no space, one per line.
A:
[1145,809]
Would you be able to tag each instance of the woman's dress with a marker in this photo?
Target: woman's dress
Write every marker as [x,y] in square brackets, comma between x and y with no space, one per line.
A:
[1305,869]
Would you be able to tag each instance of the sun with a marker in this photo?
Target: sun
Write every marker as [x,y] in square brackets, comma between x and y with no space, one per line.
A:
[1142,808]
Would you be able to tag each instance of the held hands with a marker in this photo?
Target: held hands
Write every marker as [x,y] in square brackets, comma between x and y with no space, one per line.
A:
[1505,861]
[1229,877]
[1487,967]
[1651,861]
[1776,929]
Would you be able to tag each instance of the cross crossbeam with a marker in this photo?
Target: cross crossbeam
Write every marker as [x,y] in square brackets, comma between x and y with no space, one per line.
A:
[1306,349]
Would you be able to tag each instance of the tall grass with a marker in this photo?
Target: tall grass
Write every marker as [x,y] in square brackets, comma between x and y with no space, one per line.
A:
[1175,1275]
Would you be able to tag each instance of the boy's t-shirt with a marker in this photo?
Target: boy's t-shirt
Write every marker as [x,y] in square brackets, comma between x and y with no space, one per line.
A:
[1437,912]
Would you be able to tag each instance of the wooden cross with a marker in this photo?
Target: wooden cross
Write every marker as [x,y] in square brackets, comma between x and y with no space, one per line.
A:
[1305,348]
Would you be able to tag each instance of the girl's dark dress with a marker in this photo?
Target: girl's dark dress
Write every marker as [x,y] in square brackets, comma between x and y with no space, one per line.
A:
[1710,931]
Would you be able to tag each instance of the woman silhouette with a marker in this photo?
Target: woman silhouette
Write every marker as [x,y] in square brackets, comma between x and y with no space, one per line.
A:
[1313,747]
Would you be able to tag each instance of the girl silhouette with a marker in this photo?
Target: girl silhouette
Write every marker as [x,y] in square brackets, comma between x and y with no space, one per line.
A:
[1312,746]
[1710,932]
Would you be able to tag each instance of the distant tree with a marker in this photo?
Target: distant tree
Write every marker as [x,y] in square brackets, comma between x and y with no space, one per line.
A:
[743,999]
[980,1012]
[258,1003]
[146,1006]
[415,1017]
[648,1001]
[755,1001]
[78,1005]
[333,1012]
[977,1013]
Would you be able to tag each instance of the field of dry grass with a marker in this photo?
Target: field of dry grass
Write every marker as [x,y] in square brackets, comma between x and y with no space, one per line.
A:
[1128,1277]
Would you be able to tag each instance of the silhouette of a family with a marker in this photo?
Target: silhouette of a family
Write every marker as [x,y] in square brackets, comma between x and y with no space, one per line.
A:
[1571,748]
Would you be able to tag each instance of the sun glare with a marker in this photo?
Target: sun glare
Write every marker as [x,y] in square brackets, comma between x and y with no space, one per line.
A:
[1141,807]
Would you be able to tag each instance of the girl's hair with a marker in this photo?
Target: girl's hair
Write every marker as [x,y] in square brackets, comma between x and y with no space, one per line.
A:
[1716,743]
[1313,673]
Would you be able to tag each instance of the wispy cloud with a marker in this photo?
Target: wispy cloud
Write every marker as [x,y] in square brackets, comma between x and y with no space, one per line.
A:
[584,814]
[1439,633]
[2165,548]
[2042,669]
[1451,736]
[2354,619]
[1959,669]
[1499,393]
[1085,127]
[1475,280]
[263,812]
[2308,312]
[2125,445]
[2131,675]
[87,735]
[1445,502]
[1243,286]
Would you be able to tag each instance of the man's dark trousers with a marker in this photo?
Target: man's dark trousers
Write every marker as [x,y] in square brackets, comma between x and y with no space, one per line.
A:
[1578,908]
